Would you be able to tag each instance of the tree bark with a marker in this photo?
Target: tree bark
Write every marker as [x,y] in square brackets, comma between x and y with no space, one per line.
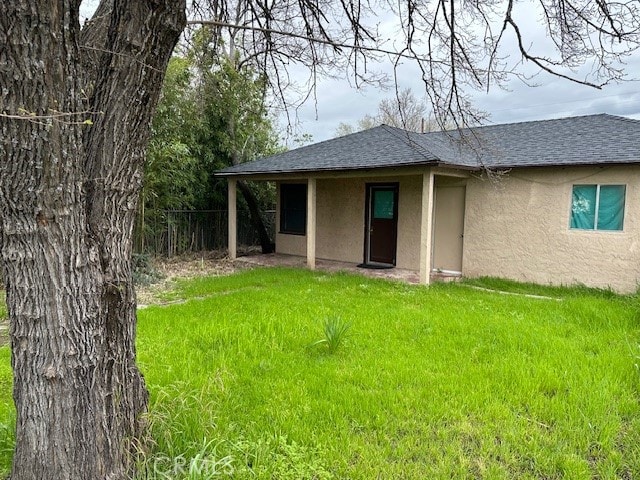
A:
[68,197]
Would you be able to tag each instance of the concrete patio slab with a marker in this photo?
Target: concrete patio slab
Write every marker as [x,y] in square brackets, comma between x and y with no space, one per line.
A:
[282,260]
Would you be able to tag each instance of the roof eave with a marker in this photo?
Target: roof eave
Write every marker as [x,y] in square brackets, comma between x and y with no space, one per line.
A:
[303,171]
[563,165]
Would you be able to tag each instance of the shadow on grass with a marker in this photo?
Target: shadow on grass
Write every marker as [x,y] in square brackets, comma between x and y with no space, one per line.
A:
[525,288]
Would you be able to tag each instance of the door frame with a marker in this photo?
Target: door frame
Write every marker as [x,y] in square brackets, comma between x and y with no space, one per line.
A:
[369,187]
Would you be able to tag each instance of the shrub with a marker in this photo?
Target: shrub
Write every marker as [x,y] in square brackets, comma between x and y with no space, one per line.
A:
[144,273]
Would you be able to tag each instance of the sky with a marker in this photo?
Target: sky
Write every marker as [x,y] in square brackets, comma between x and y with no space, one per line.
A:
[338,101]
[553,97]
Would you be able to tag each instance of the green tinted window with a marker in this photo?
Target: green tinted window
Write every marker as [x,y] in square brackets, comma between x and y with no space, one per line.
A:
[583,207]
[611,207]
[597,207]
[383,206]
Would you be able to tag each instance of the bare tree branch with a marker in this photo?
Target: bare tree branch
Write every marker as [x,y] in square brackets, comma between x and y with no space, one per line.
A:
[457,45]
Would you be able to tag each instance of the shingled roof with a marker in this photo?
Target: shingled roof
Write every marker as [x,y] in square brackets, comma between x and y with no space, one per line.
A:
[586,140]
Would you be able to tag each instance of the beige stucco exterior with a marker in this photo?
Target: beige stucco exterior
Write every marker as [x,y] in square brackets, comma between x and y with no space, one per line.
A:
[340,204]
[518,228]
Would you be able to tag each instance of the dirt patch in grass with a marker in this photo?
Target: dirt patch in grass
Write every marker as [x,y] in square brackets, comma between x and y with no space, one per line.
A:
[204,264]
[168,270]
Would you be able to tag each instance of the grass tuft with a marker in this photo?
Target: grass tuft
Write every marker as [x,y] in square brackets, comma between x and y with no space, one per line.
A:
[335,334]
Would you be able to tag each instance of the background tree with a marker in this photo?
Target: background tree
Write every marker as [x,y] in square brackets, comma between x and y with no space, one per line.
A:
[174,174]
[403,110]
[233,97]
[212,114]
[366,122]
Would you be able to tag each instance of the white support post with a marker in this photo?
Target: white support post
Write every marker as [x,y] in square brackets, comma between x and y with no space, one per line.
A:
[426,227]
[233,219]
[311,223]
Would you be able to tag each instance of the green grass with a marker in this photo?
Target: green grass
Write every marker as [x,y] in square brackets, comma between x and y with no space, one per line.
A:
[7,412]
[509,286]
[445,382]
[440,382]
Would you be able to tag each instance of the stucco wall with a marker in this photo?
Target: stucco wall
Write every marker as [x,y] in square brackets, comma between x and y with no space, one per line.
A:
[518,228]
[409,208]
[340,208]
[340,222]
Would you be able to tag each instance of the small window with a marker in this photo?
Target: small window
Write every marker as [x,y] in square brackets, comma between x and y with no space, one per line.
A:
[597,207]
[293,208]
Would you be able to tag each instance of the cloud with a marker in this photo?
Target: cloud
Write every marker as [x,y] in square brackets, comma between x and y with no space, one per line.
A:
[338,101]
[552,98]
[622,104]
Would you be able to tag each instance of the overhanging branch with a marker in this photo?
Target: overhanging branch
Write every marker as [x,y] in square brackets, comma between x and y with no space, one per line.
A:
[311,39]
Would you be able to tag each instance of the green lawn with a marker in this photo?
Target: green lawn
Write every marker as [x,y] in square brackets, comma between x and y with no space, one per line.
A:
[440,382]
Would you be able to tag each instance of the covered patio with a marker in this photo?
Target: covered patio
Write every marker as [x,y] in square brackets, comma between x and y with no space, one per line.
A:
[375,199]
[500,200]
[296,261]
[425,252]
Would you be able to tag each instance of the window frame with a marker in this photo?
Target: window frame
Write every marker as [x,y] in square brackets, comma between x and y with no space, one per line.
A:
[597,207]
[285,189]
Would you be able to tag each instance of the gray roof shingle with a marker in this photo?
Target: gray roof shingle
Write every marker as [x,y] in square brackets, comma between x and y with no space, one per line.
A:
[587,140]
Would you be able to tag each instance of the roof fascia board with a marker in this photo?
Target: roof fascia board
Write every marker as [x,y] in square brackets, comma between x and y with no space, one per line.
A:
[565,165]
[452,170]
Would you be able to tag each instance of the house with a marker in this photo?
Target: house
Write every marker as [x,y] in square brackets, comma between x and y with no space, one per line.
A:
[552,201]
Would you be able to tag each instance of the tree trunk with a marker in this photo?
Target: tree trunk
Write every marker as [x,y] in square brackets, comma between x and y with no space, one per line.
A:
[266,244]
[70,174]
[256,219]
